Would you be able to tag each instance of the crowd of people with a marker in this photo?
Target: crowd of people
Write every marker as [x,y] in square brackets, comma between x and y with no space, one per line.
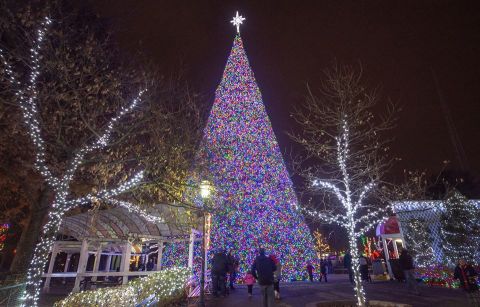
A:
[142,266]
[266,271]
[326,267]
[223,266]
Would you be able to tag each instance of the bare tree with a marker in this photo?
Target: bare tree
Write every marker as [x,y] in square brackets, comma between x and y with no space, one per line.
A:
[173,168]
[345,157]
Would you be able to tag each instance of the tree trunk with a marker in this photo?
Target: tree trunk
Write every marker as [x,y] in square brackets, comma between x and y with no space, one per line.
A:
[40,254]
[357,278]
[31,234]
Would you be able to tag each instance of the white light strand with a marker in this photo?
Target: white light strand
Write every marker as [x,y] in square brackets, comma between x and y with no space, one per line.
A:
[102,141]
[28,105]
[418,239]
[106,194]
[342,158]
[364,193]
[434,215]
[373,214]
[371,224]
[327,185]
[460,231]
[136,209]
[158,287]
[349,220]
[337,219]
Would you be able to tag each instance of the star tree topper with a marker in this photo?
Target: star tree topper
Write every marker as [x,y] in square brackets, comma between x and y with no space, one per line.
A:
[237,21]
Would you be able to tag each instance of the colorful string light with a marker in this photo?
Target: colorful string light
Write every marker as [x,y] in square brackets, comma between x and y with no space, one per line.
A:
[258,206]
[3,234]
[437,275]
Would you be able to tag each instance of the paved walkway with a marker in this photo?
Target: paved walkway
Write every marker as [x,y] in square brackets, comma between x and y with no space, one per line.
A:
[299,294]
[338,288]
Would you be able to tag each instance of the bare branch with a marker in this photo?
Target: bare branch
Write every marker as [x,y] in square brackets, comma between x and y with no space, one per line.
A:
[107,194]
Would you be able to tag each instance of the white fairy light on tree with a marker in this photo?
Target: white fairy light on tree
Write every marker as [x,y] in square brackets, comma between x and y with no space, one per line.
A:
[27,99]
[419,241]
[339,131]
[460,231]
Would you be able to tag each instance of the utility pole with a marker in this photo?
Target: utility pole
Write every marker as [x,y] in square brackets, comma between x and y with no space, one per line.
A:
[452,131]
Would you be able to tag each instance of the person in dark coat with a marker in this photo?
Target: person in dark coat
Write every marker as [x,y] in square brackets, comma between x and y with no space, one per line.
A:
[133,267]
[150,265]
[277,275]
[406,264]
[219,273]
[347,263]
[467,276]
[364,268]
[323,269]
[262,269]
[310,269]
[232,269]
[329,266]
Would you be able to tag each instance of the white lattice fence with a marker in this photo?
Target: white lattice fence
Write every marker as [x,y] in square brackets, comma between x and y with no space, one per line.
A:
[430,212]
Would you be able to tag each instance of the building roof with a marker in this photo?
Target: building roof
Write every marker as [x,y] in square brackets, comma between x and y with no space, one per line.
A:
[117,223]
[390,226]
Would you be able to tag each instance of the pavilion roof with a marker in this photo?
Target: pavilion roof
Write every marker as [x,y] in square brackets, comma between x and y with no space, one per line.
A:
[117,223]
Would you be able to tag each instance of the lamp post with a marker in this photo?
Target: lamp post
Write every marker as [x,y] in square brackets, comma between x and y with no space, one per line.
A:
[205,191]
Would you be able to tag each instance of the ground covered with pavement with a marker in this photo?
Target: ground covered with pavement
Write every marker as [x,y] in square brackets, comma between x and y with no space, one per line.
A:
[299,294]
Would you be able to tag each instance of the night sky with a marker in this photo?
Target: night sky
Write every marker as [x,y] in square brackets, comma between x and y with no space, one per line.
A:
[289,43]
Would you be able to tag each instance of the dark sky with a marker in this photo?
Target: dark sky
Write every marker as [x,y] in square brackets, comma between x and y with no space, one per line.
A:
[289,43]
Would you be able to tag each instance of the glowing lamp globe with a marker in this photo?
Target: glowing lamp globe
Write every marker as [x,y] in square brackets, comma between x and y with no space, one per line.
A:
[205,189]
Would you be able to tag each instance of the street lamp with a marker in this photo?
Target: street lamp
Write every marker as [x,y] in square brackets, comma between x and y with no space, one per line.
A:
[205,189]
[205,192]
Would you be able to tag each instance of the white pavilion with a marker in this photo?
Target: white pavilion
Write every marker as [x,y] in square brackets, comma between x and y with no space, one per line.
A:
[113,240]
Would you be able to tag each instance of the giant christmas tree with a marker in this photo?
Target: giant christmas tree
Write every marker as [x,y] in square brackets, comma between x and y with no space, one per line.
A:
[257,207]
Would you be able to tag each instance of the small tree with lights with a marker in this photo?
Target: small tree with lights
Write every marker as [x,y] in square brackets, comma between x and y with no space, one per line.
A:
[419,241]
[343,142]
[460,230]
[321,244]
